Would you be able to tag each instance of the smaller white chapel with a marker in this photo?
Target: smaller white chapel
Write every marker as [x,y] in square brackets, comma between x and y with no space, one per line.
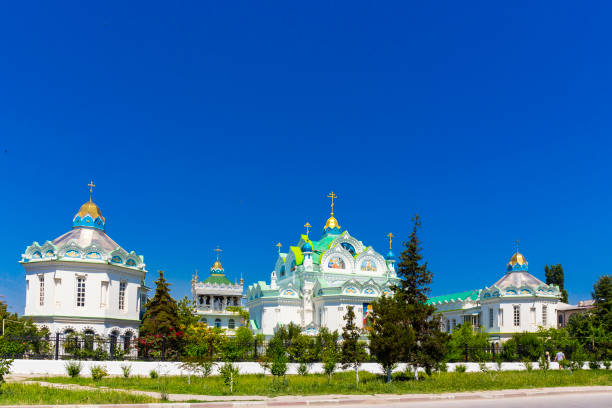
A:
[83,281]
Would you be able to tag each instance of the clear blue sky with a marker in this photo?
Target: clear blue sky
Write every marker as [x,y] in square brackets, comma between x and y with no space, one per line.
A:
[227,123]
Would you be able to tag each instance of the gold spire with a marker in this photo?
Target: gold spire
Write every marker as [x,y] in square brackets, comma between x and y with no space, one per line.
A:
[241,280]
[390,235]
[331,221]
[279,245]
[307,225]
[217,265]
[518,258]
[91,185]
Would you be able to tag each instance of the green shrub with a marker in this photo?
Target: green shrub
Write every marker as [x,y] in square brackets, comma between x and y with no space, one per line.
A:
[153,374]
[98,372]
[302,369]
[73,368]
[460,368]
[528,365]
[594,365]
[544,363]
[606,364]
[5,368]
[126,368]
[228,372]
[206,368]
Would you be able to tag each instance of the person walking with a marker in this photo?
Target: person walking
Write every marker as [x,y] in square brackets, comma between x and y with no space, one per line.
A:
[559,358]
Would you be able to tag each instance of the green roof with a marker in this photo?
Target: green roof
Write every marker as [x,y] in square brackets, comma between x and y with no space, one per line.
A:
[453,297]
[218,279]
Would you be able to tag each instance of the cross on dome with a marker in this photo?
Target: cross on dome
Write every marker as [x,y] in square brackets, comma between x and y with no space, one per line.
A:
[332,223]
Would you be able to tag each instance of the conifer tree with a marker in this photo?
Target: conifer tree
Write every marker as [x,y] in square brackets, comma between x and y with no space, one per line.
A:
[162,315]
[353,351]
[430,342]
[390,333]
[555,276]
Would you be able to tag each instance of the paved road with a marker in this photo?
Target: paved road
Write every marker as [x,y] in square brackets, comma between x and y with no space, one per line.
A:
[586,400]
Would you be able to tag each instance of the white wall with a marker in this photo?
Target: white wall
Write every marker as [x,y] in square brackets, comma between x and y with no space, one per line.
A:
[58,367]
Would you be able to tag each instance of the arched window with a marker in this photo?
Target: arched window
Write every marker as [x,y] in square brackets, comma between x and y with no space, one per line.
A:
[88,336]
[204,320]
[113,340]
[127,340]
[282,270]
[348,247]
[217,322]
[231,324]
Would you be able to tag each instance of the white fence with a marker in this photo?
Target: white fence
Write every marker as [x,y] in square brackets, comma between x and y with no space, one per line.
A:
[143,368]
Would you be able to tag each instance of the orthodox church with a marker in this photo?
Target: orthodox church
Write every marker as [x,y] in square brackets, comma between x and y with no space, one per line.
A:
[214,295]
[517,302]
[314,282]
[83,281]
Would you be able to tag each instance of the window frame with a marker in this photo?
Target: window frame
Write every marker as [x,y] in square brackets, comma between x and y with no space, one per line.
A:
[122,290]
[516,315]
[80,291]
[41,290]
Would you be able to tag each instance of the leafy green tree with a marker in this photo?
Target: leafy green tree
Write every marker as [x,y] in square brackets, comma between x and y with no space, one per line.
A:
[390,333]
[303,351]
[602,294]
[463,339]
[429,346]
[21,335]
[186,311]
[523,346]
[353,352]
[555,276]
[162,315]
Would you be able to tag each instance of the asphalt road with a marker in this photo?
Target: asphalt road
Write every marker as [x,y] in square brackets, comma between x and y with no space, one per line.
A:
[584,400]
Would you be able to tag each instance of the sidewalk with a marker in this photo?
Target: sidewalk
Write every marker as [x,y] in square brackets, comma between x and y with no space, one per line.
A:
[244,401]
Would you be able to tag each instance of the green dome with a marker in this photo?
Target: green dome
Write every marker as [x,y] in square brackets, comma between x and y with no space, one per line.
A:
[219,279]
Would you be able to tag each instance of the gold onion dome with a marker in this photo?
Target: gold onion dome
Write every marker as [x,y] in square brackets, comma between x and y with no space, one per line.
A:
[90,208]
[217,266]
[89,215]
[332,223]
[518,262]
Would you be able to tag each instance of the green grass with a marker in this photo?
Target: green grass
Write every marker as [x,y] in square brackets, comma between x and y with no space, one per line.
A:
[344,383]
[33,394]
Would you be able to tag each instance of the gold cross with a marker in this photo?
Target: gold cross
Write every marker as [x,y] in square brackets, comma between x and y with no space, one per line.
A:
[307,225]
[390,235]
[332,196]
[279,245]
[91,185]
[517,244]
[218,250]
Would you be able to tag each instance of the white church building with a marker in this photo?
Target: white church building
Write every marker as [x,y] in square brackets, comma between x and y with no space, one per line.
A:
[517,302]
[314,282]
[83,281]
[214,295]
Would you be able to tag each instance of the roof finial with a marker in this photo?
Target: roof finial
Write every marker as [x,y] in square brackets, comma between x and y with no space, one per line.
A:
[390,235]
[517,245]
[91,185]
[218,250]
[332,196]
[279,245]
[241,280]
[307,225]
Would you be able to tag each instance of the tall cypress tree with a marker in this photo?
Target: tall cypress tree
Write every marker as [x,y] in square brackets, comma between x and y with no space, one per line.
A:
[555,276]
[162,314]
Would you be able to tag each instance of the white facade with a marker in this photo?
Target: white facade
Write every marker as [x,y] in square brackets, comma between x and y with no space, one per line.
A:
[315,281]
[214,295]
[84,282]
[516,303]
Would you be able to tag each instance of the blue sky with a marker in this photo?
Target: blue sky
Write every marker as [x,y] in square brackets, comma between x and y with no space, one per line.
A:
[216,123]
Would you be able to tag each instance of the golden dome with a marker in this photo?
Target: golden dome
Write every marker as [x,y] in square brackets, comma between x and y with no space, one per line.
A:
[517,258]
[216,266]
[91,209]
[332,223]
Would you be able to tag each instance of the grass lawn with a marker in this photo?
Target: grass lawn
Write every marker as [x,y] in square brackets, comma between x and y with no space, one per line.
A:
[344,383]
[32,394]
